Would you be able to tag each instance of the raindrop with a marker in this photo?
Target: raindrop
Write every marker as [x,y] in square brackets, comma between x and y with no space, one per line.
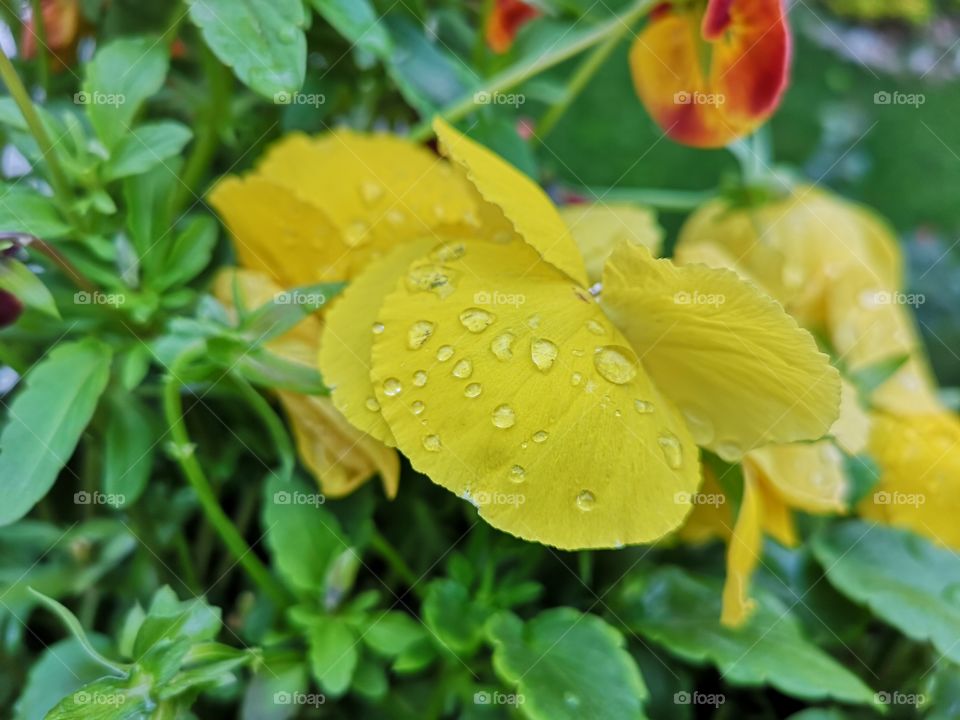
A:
[586,501]
[517,474]
[730,451]
[502,346]
[420,378]
[576,379]
[452,250]
[392,387]
[356,233]
[540,436]
[476,320]
[595,327]
[615,364]
[700,427]
[417,407]
[473,390]
[644,407]
[419,333]
[431,443]
[672,451]
[543,353]
[533,321]
[372,404]
[462,369]
[503,417]
[377,328]
[371,192]
[444,353]
[431,277]
[395,217]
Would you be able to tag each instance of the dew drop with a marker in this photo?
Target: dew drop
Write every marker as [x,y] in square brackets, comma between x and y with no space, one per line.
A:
[420,378]
[473,390]
[377,328]
[502,346]
[517,474]
[586,501]
[595,327]
[444,353]
[644,407]
[392,387]
[540,436]
[439,211]
[577,352]
[543,353]
[476,320]
[371,192]
[395,217]
[431,277]
[419,333]
[576,379]
[431,443]
[533,321]
[356,233]
[462,369]
[571,700]
[503,417]
[615,364]
[417,407]
[502,237]
[372,404]
[452,250]
[700,427]
[672,452]
[730,451]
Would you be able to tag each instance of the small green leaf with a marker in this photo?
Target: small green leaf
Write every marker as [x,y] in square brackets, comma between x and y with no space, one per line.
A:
[682,613]
[105,699]
[906,580]
[16,279]
[261,40]
[169,620]
[391,633]
[261,367]
[868,379]
[128,448]
[23,210]
[454,616]
[146,147]
[357,21]
[45,421]
[119,78]
[566,664]
[188,254]
[334,652]
[288,309]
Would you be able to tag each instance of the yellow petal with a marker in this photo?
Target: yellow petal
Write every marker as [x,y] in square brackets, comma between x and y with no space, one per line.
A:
[352,323]
[599,227]
[339,456]
[711,516]
[919,489]
[777,517]
[521,200]
[729,357]
[743,556]
[511,406]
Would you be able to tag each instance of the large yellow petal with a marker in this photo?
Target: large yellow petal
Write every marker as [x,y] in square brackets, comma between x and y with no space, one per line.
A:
[741,370]
[352,323]
[711,517]
[599,227]
[534,408]
[520,199]
[743,555]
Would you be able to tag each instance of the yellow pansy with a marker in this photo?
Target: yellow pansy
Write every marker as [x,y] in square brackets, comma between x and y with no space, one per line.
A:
[565,420]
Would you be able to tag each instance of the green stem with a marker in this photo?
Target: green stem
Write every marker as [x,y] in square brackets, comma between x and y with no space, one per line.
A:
[40,30]
[670,200]
[524,70]
[578,81]
[186,564]
[61,188]
[385,550]
[275,428]
[193,472]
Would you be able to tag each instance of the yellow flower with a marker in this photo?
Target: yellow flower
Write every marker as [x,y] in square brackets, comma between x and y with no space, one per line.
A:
[568,421]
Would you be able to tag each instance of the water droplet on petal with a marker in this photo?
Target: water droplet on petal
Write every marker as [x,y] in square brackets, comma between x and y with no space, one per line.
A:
[473,390]
[431,443]
[700,427]
[392,387]
[644,407]
[502,237]
[417,407]
[371,192]
[377,328]
[616,364]
[502,346]
[476,320]
[517,474]
[420,378]
[503,417]
[540,436]
[543,353]
[672,451]
[419,333]
[356,233]
[444,353]
[576,379]
[462,369]
[431,277]
[452,250]
[533,321]
[395,217]
[730,451]
[595,327]
[586,501]
[372,404]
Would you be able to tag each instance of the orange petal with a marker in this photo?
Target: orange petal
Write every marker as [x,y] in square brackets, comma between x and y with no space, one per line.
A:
[505,21]
[710,78]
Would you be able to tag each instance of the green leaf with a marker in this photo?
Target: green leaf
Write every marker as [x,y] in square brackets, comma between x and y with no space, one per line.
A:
[391,633]
[118,80]
[23,210]
[188,254]
[357,21]
[868,379]
[863,474]
[263,368]
[270,694]
[169,620]
[148,197]
[906,580]
[454,616]
[16,279]
[261,40]
[287,310]
[682,613]
[45,421]
[566,664]
[303,536]
[333,653]
[128,448]
[146,147]
[106,699]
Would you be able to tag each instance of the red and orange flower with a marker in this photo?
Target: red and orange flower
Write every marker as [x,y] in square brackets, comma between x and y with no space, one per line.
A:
[505,21]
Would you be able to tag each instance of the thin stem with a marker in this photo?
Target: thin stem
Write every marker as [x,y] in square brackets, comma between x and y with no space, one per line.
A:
[578,81]
[193,472]
[524,70]
[61,188]
[54,255]
[40,30]
[386,551]
[670,200]
[275,428]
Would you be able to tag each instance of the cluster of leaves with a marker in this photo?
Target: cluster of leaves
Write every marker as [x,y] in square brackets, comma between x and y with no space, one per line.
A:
[355,607]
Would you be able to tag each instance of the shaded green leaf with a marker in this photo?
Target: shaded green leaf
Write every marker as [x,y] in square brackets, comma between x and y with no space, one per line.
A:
[146,147]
